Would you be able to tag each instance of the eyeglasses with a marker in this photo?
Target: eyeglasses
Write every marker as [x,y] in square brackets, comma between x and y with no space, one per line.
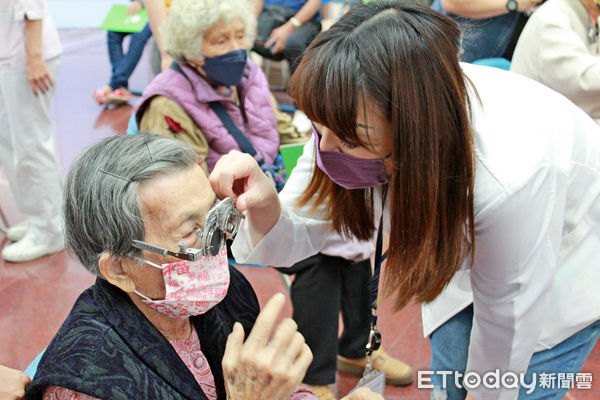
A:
[222,221]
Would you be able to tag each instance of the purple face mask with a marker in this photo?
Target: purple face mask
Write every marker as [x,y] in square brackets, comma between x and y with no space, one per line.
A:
[350,172]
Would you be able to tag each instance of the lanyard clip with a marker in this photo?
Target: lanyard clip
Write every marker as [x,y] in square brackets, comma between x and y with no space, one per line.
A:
[374,340]
[373,344]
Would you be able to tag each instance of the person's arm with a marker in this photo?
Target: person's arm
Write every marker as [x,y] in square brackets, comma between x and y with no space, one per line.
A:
[12,383]
[564,63]
[483,8]
[363,393]
[134,8]
[280,34]
[271,362]
[270,234]
[516,250]
[257,5]
[37,73]
[157,13]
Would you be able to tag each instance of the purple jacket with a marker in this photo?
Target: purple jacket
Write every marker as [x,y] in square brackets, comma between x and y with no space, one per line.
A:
[255,116]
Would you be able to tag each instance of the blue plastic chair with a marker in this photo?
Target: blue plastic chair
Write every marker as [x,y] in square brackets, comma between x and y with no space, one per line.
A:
[497,62]
[32,368]
[132,128]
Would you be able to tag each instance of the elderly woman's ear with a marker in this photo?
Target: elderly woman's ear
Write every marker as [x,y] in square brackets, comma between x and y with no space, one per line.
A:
[116,271]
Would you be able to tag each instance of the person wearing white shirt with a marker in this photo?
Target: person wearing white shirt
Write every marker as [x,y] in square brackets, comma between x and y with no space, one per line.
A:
[29,62]
[490,189]
[559,47]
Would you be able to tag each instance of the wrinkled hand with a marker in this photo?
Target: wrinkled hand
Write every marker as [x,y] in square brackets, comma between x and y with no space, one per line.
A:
[261,368]
[363,394]
[279,37]
[134,8]
[525,5]
[238,175]
[38,75]
[12,383]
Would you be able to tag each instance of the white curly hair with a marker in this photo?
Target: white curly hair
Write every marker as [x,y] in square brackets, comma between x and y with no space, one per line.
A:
[188,21]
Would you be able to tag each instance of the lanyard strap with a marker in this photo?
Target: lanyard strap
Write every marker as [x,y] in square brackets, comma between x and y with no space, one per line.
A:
[232,128]
[379,259]
[374,336]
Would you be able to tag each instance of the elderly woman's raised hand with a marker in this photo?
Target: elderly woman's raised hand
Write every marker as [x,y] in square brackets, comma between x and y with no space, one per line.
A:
[12,383]
[265,367]
[238,175]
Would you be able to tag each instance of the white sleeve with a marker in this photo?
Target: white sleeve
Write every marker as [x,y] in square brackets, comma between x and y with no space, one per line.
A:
[566,65]
[298,234]
[516,251]
[33,9]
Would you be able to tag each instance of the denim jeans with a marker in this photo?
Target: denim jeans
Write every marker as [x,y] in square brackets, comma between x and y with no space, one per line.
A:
[483,38]
[450,349]
[123,64]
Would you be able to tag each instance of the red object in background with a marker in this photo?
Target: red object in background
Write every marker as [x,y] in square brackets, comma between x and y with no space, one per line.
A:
[174,126]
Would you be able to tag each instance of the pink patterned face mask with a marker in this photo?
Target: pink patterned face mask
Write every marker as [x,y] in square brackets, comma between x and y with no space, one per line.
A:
[193,287]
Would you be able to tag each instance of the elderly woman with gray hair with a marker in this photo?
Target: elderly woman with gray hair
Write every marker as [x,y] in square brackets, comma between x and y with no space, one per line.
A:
[160,322]
[209,41]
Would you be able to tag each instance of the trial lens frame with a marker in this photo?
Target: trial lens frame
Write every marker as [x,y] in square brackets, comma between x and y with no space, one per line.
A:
[223,220]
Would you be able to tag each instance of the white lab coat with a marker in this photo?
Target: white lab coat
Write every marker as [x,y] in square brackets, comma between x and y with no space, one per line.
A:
[536,273]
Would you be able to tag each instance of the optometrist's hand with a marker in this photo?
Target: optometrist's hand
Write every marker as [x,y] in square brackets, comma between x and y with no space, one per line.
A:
[363,394]
[264,368]
[12,383]
[238,175]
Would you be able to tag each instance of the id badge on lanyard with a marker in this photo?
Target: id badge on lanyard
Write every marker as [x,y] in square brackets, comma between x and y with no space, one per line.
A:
[373,379]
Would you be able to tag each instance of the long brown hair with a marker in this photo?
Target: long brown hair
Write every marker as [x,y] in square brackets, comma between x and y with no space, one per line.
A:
[403,57]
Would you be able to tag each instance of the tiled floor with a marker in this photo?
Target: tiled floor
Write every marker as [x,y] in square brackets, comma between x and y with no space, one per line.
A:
[35,297]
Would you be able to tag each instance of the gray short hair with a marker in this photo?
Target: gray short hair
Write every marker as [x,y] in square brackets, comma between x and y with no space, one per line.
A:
[102,207]
[188,21]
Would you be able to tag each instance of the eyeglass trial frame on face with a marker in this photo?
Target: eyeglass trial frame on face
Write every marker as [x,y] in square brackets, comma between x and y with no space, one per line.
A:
[222,221]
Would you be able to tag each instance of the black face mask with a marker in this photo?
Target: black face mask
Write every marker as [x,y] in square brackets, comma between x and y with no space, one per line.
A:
[226,69]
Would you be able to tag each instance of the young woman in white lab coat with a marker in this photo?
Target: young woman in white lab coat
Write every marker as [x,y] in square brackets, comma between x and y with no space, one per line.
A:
[490,190]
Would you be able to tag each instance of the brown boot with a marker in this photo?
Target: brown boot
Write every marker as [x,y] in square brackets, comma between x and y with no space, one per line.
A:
[397,373]
[321,391]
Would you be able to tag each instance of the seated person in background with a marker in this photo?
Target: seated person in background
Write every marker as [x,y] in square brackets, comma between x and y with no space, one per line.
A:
[286,28]
[559,48]
[122,63]
[155,326]
[209,40]
[488,25]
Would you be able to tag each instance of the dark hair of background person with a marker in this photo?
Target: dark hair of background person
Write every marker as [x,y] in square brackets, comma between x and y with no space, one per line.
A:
[402,56]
